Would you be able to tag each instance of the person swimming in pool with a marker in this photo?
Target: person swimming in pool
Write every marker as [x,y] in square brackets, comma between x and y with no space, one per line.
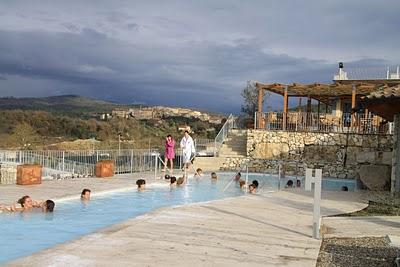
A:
[198,173]
[85,195]
[238,176]
[26,204]
[253,187]
[180,181]
[172,181]
[141,184]
[242,184]
[48,206]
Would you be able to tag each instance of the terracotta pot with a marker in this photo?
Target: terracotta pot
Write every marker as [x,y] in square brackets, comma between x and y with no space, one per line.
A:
[29,174]
[105,168]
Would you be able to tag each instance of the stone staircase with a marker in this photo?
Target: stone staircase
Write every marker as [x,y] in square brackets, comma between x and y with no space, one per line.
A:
[234,146]
[208,164]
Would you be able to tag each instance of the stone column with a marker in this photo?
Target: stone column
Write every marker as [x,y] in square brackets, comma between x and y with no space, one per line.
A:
[260,98]
[395,180]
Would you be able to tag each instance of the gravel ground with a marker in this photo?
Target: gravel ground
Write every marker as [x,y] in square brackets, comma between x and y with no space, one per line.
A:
[356,252]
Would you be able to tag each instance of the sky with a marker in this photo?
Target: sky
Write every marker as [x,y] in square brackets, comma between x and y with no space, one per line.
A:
[187,53]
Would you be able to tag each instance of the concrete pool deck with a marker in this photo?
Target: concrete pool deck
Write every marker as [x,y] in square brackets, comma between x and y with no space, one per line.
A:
[268,229]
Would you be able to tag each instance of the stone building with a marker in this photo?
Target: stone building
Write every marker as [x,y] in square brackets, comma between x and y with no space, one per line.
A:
[345,142]
[385,102]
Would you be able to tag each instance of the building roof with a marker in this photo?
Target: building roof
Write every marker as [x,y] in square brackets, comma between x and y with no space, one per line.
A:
[385,92]
[384,102]
[321,92]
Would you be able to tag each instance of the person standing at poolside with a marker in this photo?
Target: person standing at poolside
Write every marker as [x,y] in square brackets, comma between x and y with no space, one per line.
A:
[169,153]
[188,149]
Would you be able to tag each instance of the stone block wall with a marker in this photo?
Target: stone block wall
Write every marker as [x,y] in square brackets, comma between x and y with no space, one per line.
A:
[339,155]
[395,179]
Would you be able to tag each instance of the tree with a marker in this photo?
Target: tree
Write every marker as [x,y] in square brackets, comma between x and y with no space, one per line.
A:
[250,98]
[24,136]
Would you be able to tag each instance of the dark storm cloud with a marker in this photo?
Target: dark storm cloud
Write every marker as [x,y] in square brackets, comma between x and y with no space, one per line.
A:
[184,53]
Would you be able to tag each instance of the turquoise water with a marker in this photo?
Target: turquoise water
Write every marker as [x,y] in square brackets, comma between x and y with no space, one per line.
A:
[22,234]
[328,184]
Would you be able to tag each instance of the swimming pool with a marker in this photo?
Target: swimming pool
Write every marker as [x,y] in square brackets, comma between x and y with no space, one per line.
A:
[328,184]
[25,233]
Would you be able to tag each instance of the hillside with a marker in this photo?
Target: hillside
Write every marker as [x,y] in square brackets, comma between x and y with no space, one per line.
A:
[72,105]
[40,122]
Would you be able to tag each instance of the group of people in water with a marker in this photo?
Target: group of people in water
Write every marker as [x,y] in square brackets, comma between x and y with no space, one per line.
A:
[242,183]
[252,188]
[27,204]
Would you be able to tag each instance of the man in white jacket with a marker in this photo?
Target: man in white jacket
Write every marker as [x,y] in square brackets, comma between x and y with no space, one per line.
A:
[188,149]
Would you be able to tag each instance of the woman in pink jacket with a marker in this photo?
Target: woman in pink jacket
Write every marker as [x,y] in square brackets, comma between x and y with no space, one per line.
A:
[169,152]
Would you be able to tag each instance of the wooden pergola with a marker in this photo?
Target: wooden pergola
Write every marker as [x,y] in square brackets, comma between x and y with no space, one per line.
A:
[324,93]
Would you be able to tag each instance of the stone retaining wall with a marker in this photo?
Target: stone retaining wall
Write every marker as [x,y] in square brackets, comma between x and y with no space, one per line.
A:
[339,155]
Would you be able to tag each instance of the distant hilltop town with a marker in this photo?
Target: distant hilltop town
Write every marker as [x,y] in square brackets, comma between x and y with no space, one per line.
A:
[159,112]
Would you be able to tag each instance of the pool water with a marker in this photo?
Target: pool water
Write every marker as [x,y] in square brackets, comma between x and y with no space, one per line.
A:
[328,184]
[22,234]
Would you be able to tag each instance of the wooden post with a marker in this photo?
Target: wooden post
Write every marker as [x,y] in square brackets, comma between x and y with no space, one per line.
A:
[319,107]
[260,107]
[300,104]
[353,105]
[309,105]
[300,115]
[285,107]
[308,116]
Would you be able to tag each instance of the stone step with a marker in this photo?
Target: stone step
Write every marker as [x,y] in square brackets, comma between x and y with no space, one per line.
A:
[235,132]
[226,149]
[209,163]
[233,141]
[235,146]
[232,156]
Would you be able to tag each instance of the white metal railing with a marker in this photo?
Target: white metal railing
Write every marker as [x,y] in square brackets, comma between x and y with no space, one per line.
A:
[205,147]
[324,122]
[223,133]
[82,162]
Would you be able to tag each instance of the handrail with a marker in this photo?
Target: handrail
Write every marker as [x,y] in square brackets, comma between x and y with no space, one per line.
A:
[223,133]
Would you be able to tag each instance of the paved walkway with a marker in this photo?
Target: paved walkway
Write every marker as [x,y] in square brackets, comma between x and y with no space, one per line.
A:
[362,226]
[270,229]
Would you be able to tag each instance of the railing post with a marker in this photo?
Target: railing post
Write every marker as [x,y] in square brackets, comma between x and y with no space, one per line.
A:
[63,161]
[131,160]
[155,165]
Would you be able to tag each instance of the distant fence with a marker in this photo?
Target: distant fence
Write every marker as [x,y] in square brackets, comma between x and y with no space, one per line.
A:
[82,162]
